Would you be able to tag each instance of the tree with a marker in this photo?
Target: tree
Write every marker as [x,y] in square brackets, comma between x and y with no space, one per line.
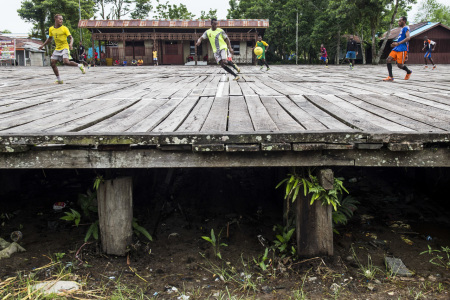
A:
[233,11]
[5,31]
[211,14]
[172,11]
[120,8]
[142,9]
[41,14]
[100,6]
[432,11]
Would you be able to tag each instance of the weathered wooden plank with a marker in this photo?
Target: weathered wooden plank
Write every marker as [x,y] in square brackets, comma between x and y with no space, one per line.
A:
[260,117]
[328,120]
[197,117]
[91,119]
[350,119]
[428,122]
[283,120]
[46,122]
[177,117]
[235,89]
[153,158]
[217,118]
[351,105]
[242,148]
[239,118]
[155,117]
[124,120]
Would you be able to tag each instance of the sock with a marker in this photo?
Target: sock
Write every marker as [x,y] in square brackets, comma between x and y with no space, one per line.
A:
[389,66]
[229,70]
[408,71]
[232,65]
[59,78]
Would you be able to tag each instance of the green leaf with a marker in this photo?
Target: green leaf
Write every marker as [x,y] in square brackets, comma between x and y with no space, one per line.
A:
[207,239]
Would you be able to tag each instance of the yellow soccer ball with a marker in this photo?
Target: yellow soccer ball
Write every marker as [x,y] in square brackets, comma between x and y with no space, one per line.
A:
[258,51]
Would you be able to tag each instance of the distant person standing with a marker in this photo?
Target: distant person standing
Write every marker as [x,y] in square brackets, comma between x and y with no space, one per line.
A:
[400,51]
[429,45]
[220,44]
[324,55]
[81,54]
[155,57]
[60,33]
[352,51]
[262,58]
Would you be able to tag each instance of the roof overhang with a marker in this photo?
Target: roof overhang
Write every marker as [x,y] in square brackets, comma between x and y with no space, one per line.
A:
[186,24]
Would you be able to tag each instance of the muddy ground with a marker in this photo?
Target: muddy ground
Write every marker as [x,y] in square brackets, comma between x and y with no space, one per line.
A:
[401,213]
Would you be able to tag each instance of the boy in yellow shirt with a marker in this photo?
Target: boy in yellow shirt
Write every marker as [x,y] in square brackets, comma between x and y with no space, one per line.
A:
[60,33]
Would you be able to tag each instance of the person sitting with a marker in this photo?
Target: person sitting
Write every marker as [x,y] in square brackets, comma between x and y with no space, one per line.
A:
[117,62]
[205,58]
[134,63]
[140,62]
[124,63]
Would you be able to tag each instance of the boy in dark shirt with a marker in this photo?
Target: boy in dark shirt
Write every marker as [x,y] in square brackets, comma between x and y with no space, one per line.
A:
[352,51]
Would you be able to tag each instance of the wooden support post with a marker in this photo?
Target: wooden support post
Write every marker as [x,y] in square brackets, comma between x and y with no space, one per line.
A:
[314,222]
[115,211]
[195,47]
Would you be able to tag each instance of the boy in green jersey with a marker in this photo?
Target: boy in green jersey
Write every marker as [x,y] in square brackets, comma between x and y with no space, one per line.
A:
[60,33]
[262,58]
[220,44]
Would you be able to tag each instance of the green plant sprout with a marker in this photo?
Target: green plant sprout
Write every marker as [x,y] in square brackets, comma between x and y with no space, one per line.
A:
[140,230]
[439,259]
[215,243]
[73,215]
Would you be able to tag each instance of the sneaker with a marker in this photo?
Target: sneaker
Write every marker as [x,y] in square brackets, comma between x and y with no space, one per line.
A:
[236,78]
[59,82]
[434,67]
[408,75]
[238,70]
[261,68]
[351,67]
[268,69]
[83,70]
[326,66]
[425,67]
[389,78]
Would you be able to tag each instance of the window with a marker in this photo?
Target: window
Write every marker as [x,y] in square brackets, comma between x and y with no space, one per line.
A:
[236,47]
[192,49]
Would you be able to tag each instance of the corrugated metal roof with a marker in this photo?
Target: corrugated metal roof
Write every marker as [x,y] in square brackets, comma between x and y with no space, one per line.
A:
[419,30]
[243,23]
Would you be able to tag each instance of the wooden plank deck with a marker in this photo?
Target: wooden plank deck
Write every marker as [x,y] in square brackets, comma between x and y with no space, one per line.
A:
[197,117]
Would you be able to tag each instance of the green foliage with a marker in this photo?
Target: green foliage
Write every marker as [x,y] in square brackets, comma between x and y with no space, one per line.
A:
[312,186]
[59,256]
[140,230]
[433,11]
[215,243]
[97,181]
[441,257]
[261,261]
[283,240]
[87,202]
[142,9]
[41,14]
[5,31]
[344,211]
[93,230]
[172,11]
[211,14]
[73,215]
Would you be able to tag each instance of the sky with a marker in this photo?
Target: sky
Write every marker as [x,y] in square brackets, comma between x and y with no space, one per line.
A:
[10,20]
